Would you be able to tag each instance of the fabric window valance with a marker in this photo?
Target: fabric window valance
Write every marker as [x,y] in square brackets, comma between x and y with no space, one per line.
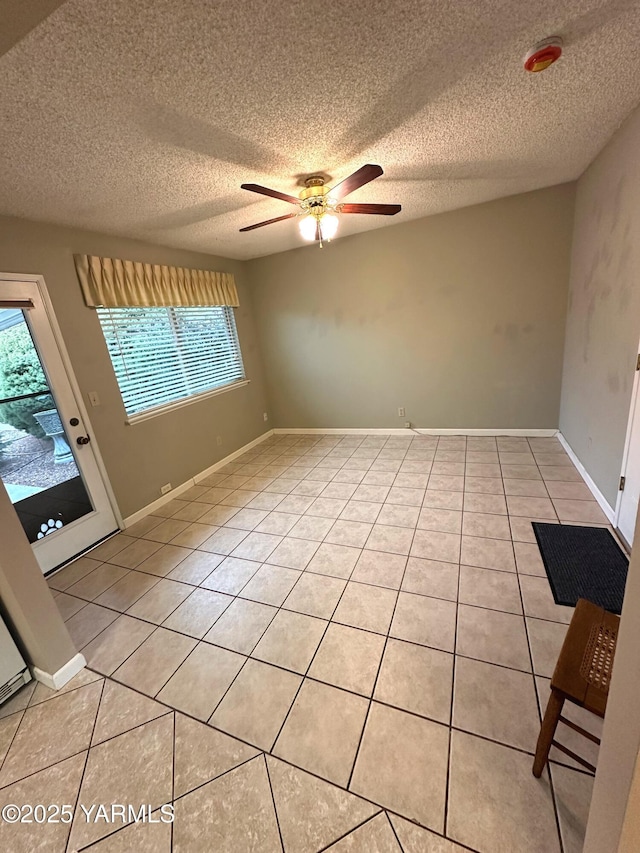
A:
[114,283]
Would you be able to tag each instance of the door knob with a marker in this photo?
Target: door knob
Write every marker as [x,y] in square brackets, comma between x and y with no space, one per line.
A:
[82,440]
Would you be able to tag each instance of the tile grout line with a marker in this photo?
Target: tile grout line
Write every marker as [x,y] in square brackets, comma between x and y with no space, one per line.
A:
[535,689]
[111,674]
[379,669]
[138,568]
[86,762]
[305,675]
[380,662]
[249,656]
[273,800]
[173,776]
[453,679]
[24,710]
[5,756]
[170,708]
[195,587]
[393,829]
[351,831]
[174,800]
[105,678]
[224,772]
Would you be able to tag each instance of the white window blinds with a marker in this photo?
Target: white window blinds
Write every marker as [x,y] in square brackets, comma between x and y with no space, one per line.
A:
[163,355]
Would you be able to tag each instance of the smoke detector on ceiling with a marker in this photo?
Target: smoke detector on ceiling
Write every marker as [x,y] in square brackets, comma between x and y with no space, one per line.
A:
[543,54]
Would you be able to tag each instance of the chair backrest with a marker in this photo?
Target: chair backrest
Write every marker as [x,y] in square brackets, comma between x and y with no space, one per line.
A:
[585,663]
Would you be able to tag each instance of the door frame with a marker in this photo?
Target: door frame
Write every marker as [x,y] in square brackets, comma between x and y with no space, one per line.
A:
[38,280]
[635,401]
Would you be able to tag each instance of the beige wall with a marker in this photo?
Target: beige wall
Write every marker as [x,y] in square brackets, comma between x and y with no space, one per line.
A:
[457,317]
[603,325]
[172,447]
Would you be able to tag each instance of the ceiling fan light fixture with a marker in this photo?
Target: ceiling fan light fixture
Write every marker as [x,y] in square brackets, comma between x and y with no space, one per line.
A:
[328,226]
[318,204]
[307,226]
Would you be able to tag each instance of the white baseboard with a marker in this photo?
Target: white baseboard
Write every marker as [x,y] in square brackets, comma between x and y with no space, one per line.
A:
[193,481]
[527,433]
[532,433]
[605,506]
[161,501]
[218,465]
[331,431]
[58,679]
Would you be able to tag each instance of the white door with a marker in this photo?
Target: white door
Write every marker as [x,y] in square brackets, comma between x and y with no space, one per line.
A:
[628,504]
[48,457]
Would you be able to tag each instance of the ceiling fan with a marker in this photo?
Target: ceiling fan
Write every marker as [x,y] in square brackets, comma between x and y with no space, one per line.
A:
[318,204]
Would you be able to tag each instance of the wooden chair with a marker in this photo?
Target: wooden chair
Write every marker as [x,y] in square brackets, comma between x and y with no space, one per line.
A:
[582,676]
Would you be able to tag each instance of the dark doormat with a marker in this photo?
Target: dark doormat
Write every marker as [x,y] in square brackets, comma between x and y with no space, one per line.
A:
[583,562]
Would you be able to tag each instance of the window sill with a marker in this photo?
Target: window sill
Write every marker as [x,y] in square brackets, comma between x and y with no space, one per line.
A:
[186,401]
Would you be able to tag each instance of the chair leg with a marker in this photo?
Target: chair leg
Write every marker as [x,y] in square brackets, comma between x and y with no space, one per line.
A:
[547,731]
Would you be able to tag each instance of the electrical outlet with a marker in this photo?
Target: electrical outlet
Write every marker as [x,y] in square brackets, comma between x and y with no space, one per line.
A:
[93,398]
[218,440]
[407,424]
[401,412]
[265,416]
[166,488]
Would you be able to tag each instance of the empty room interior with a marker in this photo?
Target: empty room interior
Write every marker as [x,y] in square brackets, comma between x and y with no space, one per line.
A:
[319,426]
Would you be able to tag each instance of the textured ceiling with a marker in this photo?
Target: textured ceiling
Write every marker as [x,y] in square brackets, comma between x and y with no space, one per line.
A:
[143,118]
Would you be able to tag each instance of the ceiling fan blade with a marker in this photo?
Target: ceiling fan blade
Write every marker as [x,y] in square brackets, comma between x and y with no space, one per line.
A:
[359,178]
[269,221]
[381,209]
[256,188]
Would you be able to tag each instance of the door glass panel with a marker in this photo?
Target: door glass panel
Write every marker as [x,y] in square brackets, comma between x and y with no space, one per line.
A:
[37,463]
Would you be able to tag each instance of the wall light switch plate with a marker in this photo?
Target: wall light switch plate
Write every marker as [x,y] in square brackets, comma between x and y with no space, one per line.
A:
[401,412]
[93,398]
[265,416]
[219,440]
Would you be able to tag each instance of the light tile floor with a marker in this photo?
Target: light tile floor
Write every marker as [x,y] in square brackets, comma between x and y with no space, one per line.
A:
[335,642]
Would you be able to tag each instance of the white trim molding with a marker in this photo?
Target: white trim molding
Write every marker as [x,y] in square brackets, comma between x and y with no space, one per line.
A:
[532,433]
[147,414]
[218,465]
[331,431]
[627,439]
[193,481]
[58,679]
[527,433]
[605,506]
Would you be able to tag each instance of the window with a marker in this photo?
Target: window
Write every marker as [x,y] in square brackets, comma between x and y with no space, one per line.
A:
[164,355]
